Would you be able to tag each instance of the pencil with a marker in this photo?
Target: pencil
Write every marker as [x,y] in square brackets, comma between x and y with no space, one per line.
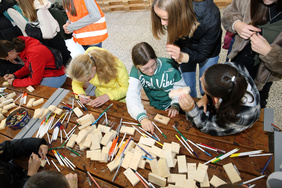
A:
[55,165]
[93,179]
[86,174]
[184,145]
[159,130]
[251,180]
[267,163]
[73,151]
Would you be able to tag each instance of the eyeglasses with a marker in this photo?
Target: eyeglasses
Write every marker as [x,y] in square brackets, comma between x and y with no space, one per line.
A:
[145,70]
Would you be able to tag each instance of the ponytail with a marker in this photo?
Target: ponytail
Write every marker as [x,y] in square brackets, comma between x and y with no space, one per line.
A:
[225,82]
[7,46]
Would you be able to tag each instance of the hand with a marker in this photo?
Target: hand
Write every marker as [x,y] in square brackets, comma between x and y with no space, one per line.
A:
[9,76]
[43,150]
[172,112]
[203,102]
[98,101]
[260,45]
[10,81]
[33,164]
[65,28]
[84,100]
[72,180]
[147,125]
[186,102]
[174,52]
[244,30]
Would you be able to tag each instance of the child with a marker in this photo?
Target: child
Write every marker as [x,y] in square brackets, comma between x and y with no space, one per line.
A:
[86,22]
[103,70]
[157,76]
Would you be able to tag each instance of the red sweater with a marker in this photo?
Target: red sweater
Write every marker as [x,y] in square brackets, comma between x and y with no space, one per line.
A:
[36,58]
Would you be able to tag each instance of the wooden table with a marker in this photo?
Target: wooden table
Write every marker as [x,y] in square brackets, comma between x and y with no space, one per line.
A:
[250,139]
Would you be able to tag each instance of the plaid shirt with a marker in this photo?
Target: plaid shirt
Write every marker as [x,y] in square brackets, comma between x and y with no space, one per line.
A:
[249,114]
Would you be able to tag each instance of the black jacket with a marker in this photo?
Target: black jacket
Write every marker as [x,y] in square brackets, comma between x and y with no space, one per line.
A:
[12,176]
[206,40]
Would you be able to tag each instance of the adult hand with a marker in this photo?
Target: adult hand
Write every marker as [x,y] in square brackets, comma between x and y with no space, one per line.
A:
[260,45]
[186,102]
[8,76]
[172,112]
[147,125]
[72,180]
[174,52]
[98,101]
[84,99]
[65,28]
[33,164]
[43,150]
[203,102]
[244,30]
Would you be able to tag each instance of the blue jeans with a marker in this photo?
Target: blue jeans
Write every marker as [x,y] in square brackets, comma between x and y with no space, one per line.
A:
[190,77]
[54,81]
[87,46]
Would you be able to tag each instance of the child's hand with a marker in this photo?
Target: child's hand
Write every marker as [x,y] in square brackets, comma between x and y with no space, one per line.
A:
[43,150]
[186,102]
[72,180]
[33,164]
[9,76]
[172,112]
[84,99]
[203,102]
[99,101]
[147,125]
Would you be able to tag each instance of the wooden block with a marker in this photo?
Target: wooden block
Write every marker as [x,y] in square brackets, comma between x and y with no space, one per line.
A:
[206,182]
[142,164]
[45,112]
[156,179]
[166,146]
[88,119]
[174,178]
[3,124]
[88,141]
[81,136]
[38,112]
[107,137]
[11,95]
[164,170]
[216,181]
[96,142]
[38,102]
[232,173]
[30,89]
[157,151]
[182,164]
[58,111]
[201,172]
[146,141]
[96,155]
[104,128]
[5,83]
[191,170]
[71,141]
[89,154]
[127,130]
[175,147]
[168,157]
[78,112]
[114,164]
[131,176]
[43,162]
[135,160]
[127,159]
[30,102]
[9,106]
[114,134]
[105,149]
[104,157]
[162,119]
[176,92]
[52,108]
[4,111]
[5,102]
[190,183]
[154,166]
[1,117]
[130,146]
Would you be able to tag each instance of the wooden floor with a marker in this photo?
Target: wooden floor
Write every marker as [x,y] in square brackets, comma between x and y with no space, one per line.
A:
[251,139]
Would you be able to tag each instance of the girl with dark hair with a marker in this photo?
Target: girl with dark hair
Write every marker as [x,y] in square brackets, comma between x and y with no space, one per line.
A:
[193,34]
[258,43]
[39,63]
[234,95]
[157,76]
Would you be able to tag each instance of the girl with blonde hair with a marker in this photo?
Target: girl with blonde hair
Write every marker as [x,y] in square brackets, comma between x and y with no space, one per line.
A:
[193,34]
[103,70]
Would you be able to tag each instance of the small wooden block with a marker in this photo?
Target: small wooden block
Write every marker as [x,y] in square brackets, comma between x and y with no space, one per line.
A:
[164,170]
[9,106]
[46,111]
[38,102]
[78,112]
[130,146]
[107,137]
[1,117]
[89,154]
[135,160]
[11,95]
[127,130]
[105,149]
[30,89]
[96,142]
[206,182]
[71,141]
[3,124]
[142,164]
[155,166]
[216,181]
[157,151]
[30,102]
[169,158]
[182,164]
[114,164]
[156,179]
[5,102]
[173,178]
[162,119]
[232,173]
[81,136]
[104,157]
[201,172]
[96,155]
[38,112]
[191,170]
[52,108]
[175,147]
[5,83]
[127,159]
[88,141]
[58,111]
[146,141]
[88,119]
[43,162]
[131,176]
[104,128]
[166,146]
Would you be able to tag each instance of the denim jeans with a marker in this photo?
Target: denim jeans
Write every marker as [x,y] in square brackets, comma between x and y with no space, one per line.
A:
[97,45]
[190,77]
[54,81]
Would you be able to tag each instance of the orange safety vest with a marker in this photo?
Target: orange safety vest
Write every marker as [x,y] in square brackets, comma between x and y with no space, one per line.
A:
[90,34]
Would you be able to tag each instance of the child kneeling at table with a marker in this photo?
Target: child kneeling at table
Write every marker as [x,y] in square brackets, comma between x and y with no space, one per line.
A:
[157,76]
[236,99]
[104,71]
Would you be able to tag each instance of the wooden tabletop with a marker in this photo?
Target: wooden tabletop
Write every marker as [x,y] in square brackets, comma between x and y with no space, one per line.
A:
[251,139]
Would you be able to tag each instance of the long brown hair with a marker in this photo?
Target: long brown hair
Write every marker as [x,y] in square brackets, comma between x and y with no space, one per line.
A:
[28,9]
[69,6]
[182,20]
[260,11]
[106,65]
[7,46]
[142,53]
